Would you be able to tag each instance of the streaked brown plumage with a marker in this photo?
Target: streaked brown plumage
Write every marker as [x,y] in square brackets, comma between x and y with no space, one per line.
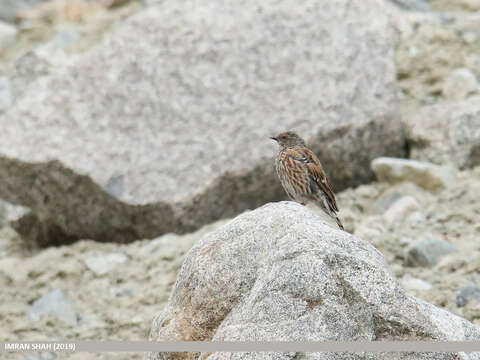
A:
[302,175]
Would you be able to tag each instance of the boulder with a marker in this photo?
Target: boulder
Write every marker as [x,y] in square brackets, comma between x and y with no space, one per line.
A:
[424,174]
[175,110]
[447,133]
[279,273]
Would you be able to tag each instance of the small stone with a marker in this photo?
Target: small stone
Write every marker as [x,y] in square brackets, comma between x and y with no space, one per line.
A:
[65,37]
[385,202]
[416,217]
[102,264]
[413,5]
[11,267]
[424,174]
[166,244]
[459,84]
[467,293]
[401,209]
[115,186]
[469,36]
[10,8]
[42,356]
[8,33]
[120,291]
[55,304]
[426,252]
[415,284]
[113,3]
[404,241]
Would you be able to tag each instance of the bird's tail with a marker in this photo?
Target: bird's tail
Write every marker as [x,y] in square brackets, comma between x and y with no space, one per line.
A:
[337,219]
[327,207]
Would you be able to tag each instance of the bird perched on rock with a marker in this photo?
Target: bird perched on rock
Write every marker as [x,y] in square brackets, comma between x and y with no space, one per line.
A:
[302,175]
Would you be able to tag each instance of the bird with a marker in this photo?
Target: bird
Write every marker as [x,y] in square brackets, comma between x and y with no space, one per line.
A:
[302,176]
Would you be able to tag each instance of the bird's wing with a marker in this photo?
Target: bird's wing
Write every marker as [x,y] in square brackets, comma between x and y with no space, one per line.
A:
[315,171]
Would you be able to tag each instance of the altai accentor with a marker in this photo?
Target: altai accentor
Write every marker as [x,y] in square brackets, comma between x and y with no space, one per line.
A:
[302,175]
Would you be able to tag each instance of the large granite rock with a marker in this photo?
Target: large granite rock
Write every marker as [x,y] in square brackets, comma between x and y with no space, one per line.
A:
[280,273]
[171,116]
[446,133]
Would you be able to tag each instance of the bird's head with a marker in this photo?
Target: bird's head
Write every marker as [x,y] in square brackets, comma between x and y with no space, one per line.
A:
[288,139]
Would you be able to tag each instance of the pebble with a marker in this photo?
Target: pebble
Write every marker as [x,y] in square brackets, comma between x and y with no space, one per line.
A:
[401,209]
[103,264]
[424,174]
[412,283]
[459,84]
[428,251]
[120,291]
[467,293]
[413,5]
[55,304]
[166,244]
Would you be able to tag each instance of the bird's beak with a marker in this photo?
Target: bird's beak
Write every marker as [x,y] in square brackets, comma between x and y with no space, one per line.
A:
[274,138]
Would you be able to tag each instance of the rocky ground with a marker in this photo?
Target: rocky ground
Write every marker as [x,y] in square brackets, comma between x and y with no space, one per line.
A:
[114,291]
[93,291]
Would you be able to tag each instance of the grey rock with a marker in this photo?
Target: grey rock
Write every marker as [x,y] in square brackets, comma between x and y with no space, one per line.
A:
[103,264]
[65,37]
[415,284]
[392,193]
[6,94]
[424,174]
[459,84]
[121,291]
[467,293]
[195,93]
[8,33]
[166,245]
[415,5]
[447,133]
[281,273]
[54,304]
[416,217]
[401,209]
[385,201]
[10,8]
[42,356]
[428,251]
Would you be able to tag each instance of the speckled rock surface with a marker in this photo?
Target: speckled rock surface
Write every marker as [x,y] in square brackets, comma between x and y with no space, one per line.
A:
[280,273]
[182,129]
